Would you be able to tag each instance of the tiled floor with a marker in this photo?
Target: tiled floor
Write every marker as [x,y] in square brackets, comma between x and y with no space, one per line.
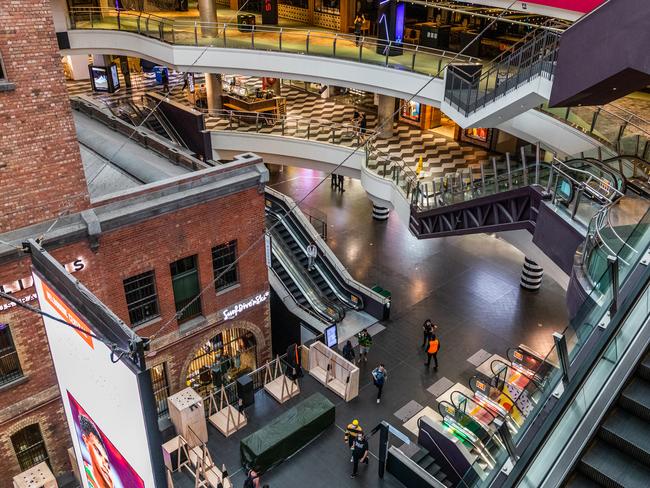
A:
[440,154]
[468,285]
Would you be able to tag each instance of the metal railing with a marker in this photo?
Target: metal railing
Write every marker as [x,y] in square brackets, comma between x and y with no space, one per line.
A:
[623,132]
[468,89]
[313,42]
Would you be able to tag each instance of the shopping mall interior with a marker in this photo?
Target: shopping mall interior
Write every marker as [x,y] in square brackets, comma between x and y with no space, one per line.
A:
[425,221]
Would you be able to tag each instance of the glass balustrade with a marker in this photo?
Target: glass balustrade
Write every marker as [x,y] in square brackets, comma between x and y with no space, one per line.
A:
[315,42]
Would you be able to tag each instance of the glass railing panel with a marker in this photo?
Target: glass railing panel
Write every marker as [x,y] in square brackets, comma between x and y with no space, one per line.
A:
[237,36]
[321,44]
[607,127]
[294,41]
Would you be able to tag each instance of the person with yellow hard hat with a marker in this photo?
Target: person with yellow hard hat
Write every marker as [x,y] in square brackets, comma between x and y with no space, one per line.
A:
[351,432]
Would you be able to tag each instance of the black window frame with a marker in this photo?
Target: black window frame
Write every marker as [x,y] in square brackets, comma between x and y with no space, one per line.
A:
[8,357]
[139,304]
[184,268]
[160,387]
[320,7]
[27,457]
[223,256]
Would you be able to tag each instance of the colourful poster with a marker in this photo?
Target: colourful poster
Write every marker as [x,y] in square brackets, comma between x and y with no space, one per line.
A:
[104,466]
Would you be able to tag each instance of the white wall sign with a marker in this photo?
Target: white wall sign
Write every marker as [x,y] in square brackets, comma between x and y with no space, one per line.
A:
[233,311]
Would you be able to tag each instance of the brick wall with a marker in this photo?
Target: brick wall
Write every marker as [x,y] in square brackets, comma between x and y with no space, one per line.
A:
[152,244]
[40,165]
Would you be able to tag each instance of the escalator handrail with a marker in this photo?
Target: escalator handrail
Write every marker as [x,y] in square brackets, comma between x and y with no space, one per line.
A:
[334,305]
[510,367]
[280,253]
[302,307]
[339,270]
[332,273]
[336,276]
[460,393]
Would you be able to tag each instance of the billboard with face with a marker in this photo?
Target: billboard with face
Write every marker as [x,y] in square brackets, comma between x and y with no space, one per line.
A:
[104,465]
[107,412]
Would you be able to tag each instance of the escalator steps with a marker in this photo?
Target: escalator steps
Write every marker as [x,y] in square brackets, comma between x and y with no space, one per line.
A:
[628,433]
[636,398]
[579,480]
[613,469]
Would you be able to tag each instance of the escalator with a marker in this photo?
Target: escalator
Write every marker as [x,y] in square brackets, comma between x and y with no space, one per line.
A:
[324,279]
[619,453]
[636,172]
[303,290]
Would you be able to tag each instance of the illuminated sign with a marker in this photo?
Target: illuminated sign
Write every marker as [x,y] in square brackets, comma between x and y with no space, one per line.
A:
[28,282]
[230,313]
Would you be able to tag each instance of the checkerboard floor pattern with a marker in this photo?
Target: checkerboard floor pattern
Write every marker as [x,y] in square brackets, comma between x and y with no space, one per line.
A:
[441,155]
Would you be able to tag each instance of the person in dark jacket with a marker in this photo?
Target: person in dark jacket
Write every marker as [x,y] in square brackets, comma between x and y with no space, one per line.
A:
[348,351]
[427,331]
[359,453]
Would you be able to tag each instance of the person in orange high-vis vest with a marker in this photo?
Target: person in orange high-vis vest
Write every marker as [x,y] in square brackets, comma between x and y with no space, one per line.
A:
[432,352]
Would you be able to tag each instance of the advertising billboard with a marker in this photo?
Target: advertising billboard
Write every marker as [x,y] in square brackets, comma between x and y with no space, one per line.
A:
[106,396]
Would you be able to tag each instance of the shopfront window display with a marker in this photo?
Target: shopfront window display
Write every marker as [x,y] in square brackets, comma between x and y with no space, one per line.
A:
[222,360]
[328,6]
[411,110]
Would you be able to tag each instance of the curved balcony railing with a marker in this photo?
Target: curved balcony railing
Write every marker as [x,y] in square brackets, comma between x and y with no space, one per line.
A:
[383,164]
[313,42]
[619,130]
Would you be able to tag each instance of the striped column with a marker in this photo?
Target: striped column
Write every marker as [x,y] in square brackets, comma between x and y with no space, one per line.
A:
[379,213]
[531,275]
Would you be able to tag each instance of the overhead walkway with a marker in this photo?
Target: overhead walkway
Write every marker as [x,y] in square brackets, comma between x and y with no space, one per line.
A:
[301,54]
[325,294]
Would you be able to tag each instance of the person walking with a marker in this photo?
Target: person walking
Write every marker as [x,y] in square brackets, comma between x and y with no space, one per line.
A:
[359,453]
[252,480]
[348,352]
[358,24]
[312,254]
[379,375]
[427,330]
[340,178]
[363,124]
[432,352]
[164,77]
[365,341]
[334,181]
[351,432]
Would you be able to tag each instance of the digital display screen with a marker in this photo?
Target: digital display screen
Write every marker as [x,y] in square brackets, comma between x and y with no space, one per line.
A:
[100,78]
[114,77]
[102,400]
[331,336]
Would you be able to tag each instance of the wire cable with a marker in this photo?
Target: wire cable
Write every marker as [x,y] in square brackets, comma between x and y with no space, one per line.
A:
[19,303]
[359,145]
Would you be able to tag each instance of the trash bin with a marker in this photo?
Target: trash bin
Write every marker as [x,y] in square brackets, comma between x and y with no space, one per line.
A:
[245,391]
[245,22]
[385,294]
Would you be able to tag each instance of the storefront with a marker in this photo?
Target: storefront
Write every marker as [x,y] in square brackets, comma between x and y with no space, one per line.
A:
[416,113]
[222,360]
[478,136]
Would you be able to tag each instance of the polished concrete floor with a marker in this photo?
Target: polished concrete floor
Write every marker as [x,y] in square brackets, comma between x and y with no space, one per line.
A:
[468,285]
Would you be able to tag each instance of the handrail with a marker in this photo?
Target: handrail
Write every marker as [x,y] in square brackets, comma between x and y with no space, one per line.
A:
[186,32]
[283,255]
[324,274]
[332,259]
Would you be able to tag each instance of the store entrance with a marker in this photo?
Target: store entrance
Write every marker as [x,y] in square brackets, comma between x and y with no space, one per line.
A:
[222,360]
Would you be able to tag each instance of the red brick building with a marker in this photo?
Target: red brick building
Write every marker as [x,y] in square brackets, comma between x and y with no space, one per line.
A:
[145,252]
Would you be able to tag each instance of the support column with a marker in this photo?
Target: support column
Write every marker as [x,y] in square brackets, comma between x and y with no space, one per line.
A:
[385,112]
[213,91]
[277,87]
[208,13]
[79,66]
[380,213]
[531,275]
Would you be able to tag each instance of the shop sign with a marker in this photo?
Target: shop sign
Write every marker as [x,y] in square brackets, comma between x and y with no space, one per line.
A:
[233,311]
[27,283]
